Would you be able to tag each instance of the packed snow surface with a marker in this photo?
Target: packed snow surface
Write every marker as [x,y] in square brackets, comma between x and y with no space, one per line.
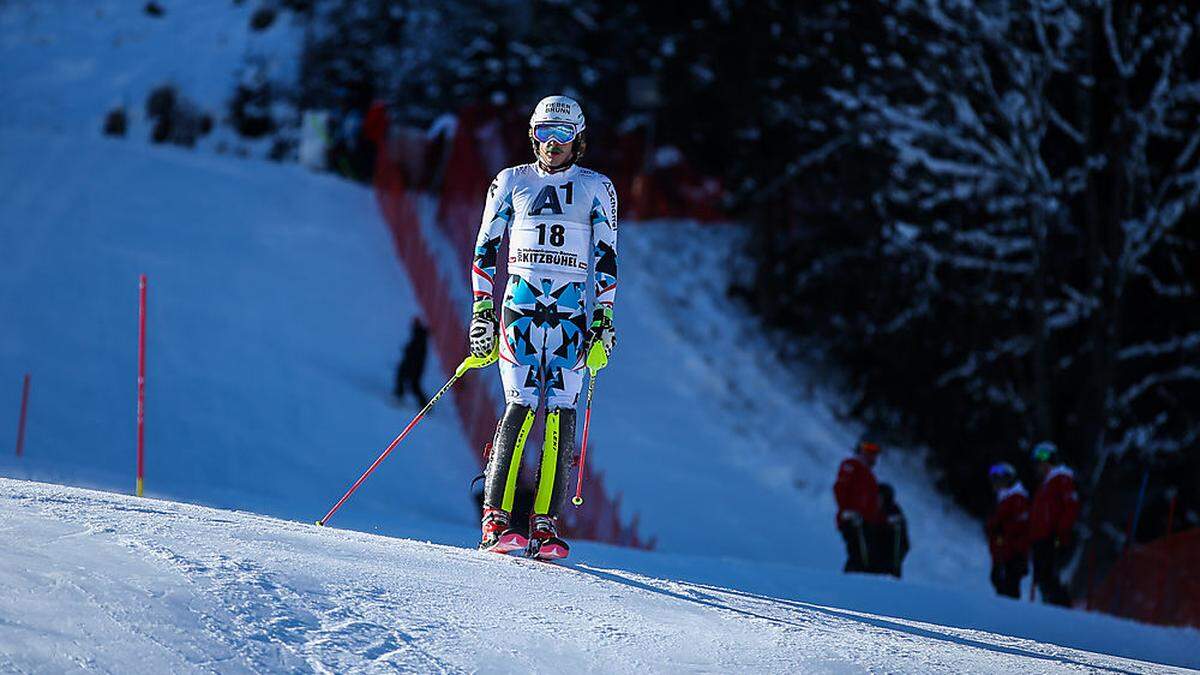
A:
[104,582]
[277,312]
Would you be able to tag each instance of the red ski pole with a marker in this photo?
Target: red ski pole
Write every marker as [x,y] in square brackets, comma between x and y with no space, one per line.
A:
[469,363]
[577,500]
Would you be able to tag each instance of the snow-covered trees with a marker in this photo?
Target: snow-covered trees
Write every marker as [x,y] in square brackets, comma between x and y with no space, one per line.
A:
[1032,235]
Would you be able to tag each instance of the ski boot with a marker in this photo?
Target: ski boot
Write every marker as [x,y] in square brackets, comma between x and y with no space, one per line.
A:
[498,537]
[544,543]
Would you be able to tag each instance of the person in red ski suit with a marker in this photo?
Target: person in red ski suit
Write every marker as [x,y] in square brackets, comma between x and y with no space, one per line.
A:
[1051,519]
[1008,531]
[859,514]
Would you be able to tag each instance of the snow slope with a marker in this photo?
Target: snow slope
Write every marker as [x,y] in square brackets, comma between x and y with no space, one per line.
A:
[115,583]
[277,312]
[65,64]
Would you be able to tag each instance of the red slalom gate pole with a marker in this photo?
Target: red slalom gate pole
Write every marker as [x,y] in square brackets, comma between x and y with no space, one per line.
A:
[141,385]
[21,420]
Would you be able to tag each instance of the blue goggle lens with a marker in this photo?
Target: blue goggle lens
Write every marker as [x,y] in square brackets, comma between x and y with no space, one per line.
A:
[562,133]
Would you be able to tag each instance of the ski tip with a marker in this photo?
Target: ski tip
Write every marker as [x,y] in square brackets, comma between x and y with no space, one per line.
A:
[551,552]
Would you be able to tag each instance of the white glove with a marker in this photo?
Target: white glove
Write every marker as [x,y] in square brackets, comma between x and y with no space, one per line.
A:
[484,329]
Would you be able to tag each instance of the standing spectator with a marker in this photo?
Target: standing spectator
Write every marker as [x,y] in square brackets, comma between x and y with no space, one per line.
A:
[892,537]
[1008,530]
[859,515]
[412,365]
[1051,518]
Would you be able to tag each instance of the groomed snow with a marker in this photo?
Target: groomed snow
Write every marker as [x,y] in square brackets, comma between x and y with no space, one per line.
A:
[114,583]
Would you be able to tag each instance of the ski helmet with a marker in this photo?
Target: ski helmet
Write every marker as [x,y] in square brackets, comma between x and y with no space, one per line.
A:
[867,447]
[560,119]
[1002,470]
[1046,451]
[558,109]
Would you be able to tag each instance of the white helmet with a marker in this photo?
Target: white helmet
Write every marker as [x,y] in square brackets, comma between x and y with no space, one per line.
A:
[558,109]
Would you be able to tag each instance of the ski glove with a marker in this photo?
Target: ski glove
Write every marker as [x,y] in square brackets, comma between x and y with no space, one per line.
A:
[484,329]
[601,338]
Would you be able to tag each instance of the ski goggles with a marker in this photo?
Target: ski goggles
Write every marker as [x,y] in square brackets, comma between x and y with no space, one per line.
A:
[1001,470]
[560,132]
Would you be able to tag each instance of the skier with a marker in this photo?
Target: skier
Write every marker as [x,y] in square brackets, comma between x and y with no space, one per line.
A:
[1008,530]
[892,536]
[1051,518]
[562,223]
[412,365]
[859,514]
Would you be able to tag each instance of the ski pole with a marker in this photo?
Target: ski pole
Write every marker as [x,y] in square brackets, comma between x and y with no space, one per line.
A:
[468,363]
[577,500]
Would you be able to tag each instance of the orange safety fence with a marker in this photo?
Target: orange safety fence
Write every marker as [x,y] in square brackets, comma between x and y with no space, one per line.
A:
[1158,582]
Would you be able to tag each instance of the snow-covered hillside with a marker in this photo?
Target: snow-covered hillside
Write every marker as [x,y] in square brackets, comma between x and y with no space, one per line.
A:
[66,64]
[112,583]
[277,310]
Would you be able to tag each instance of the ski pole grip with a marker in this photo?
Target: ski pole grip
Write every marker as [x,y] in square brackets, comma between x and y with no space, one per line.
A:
[477,362]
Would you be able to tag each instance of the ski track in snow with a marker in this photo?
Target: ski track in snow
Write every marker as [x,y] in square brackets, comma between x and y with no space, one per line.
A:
[237,592]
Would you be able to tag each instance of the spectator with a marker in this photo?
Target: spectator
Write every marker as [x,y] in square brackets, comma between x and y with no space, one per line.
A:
[892,536]
[412,365]
[1008,530]
[859,516]
[1051,518]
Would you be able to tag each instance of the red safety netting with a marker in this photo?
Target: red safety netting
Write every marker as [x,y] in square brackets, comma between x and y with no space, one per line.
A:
[1158,582]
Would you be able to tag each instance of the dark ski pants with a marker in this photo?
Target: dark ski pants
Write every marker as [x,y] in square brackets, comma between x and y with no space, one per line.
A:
[1006,576]
[1046,563]
[500,485]
[887,555]
[858,547]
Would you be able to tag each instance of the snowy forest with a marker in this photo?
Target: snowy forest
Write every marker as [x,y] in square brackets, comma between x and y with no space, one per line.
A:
[984,213]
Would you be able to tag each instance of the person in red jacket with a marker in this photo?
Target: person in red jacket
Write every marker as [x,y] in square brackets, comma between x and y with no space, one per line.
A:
[859,514]
[1008,530]
[1051,518]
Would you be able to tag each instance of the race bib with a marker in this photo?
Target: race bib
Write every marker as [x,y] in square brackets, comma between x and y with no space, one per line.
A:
[548,246]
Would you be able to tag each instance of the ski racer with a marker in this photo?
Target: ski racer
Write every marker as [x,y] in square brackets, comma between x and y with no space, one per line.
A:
[1008,530]
[1051,519]
[561,220]
[859,514]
